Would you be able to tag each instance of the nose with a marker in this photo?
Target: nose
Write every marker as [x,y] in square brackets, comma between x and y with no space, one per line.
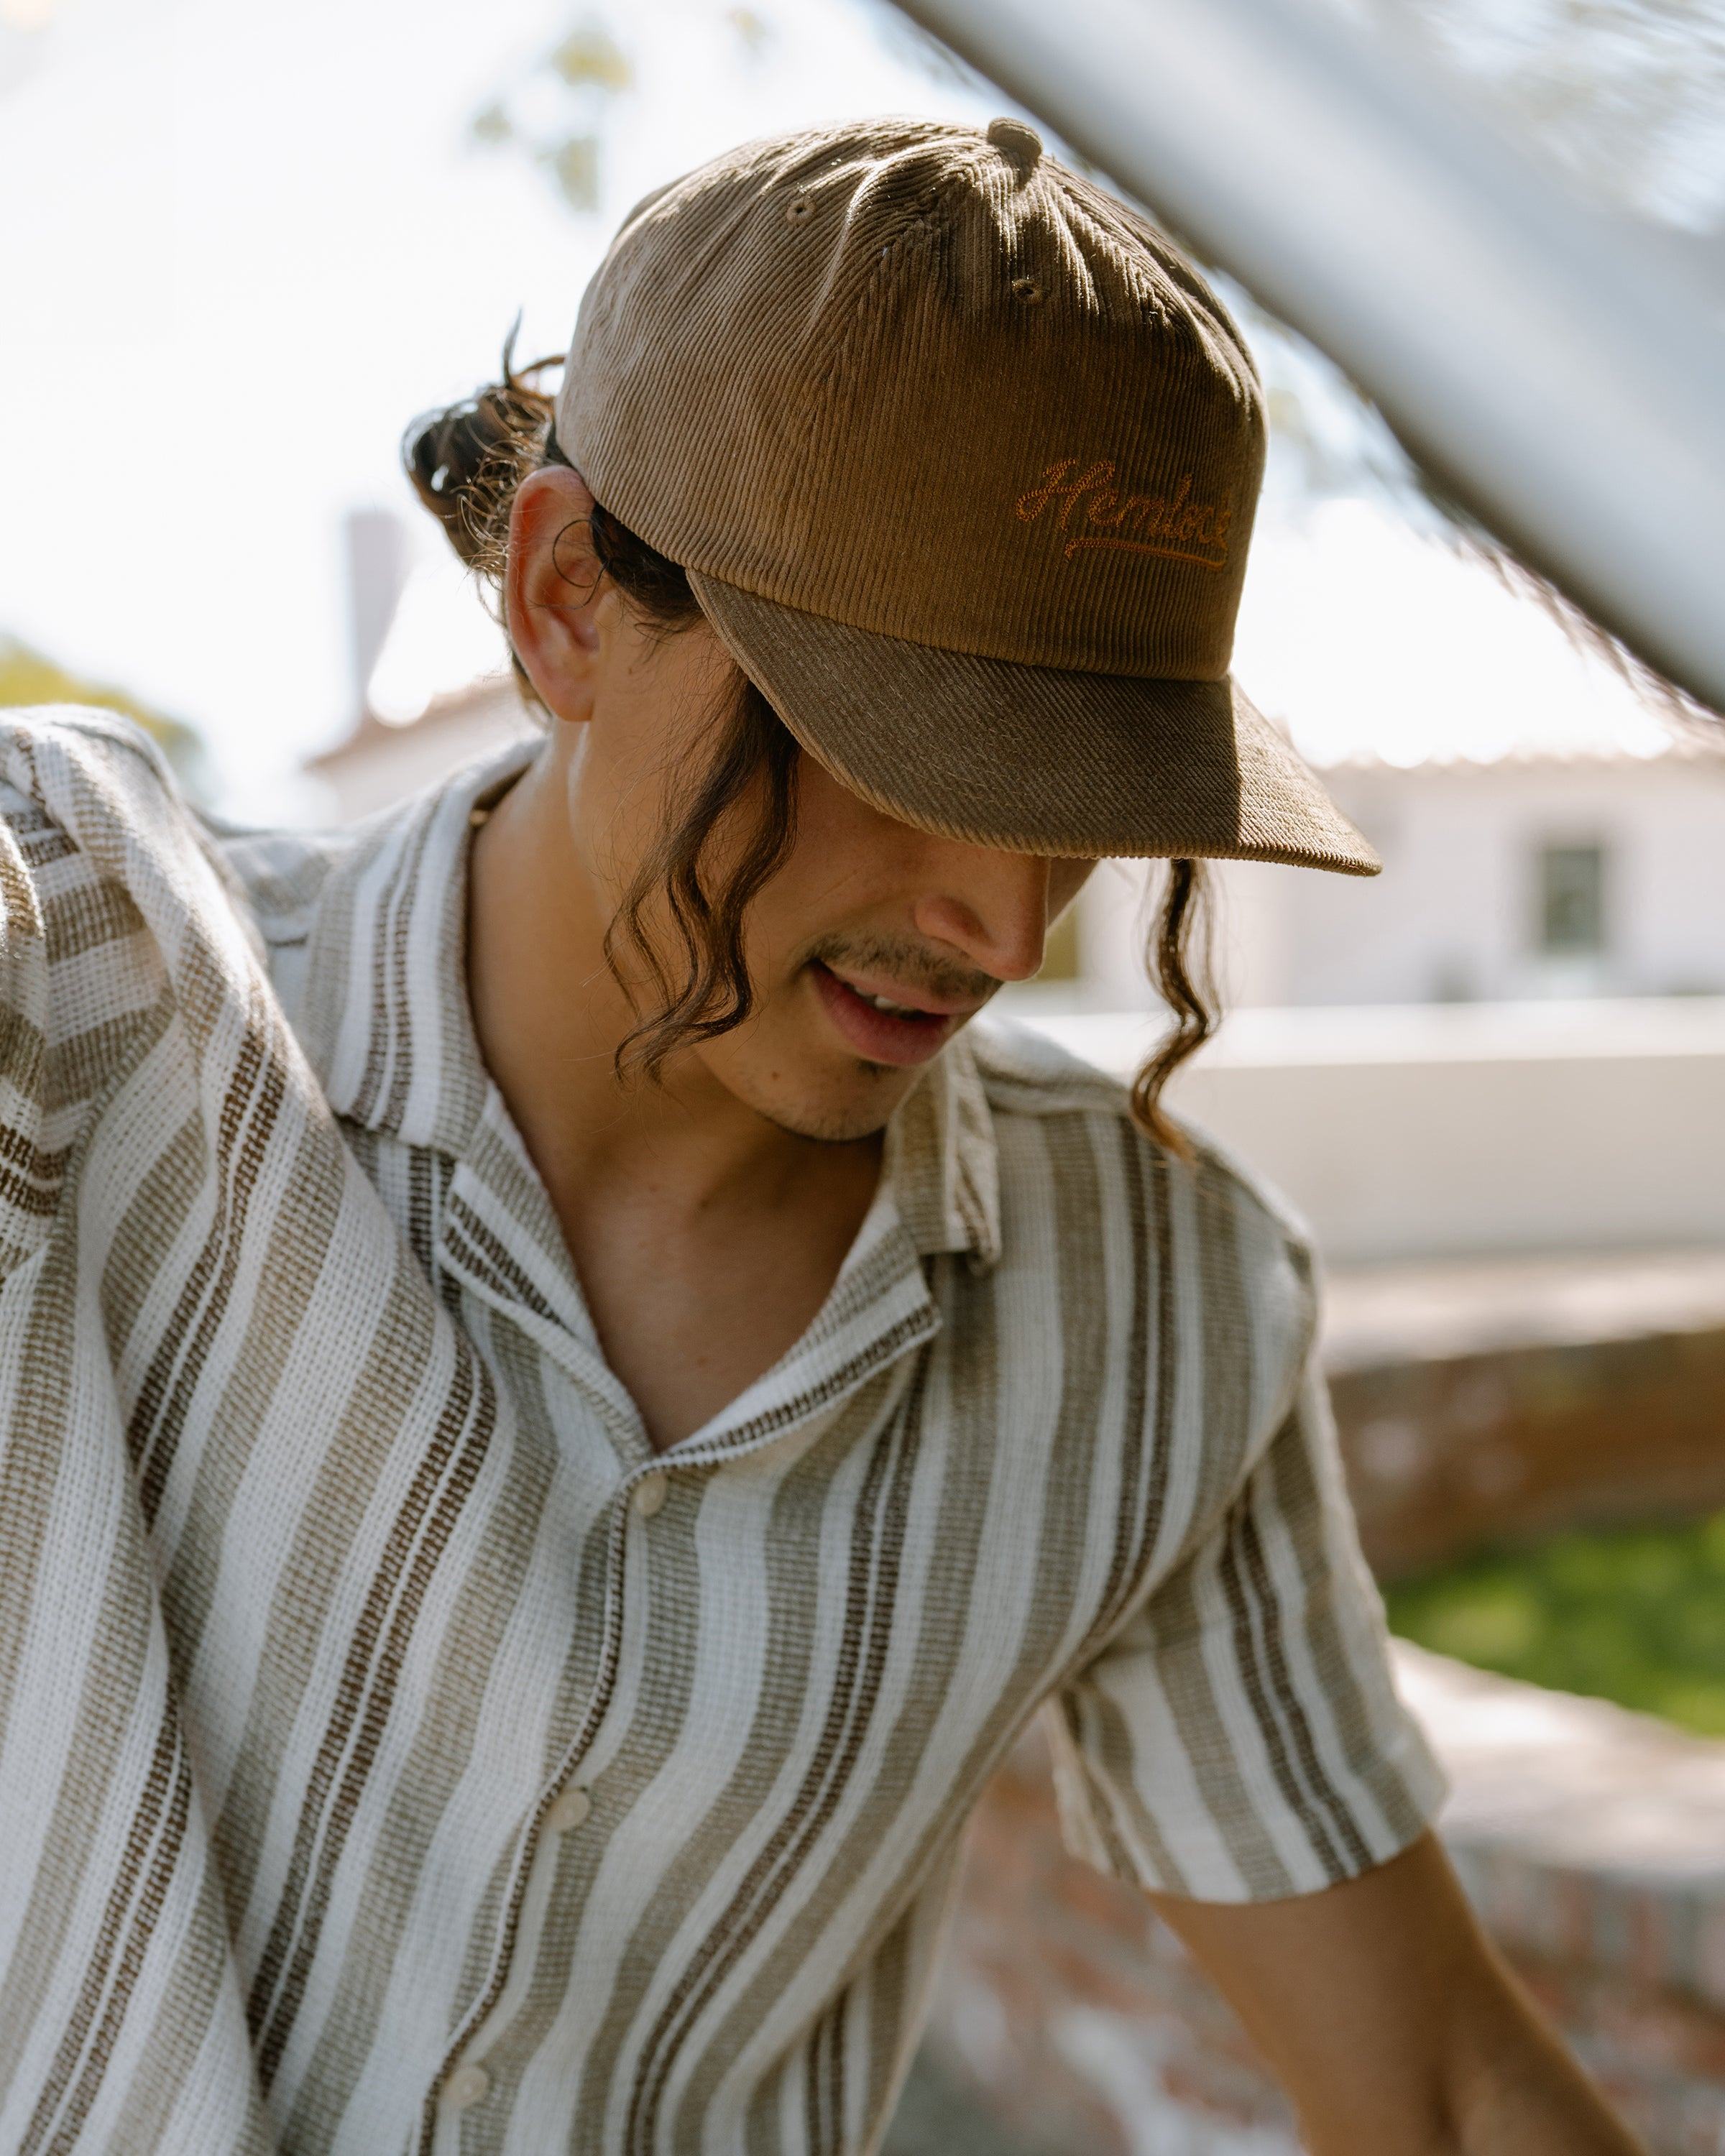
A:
[989,906]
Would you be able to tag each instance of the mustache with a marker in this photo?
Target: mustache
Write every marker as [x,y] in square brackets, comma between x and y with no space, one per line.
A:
[901,960]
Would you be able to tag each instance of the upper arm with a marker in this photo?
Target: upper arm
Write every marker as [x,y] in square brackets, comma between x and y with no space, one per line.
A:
[1238,1747]
[95,1765]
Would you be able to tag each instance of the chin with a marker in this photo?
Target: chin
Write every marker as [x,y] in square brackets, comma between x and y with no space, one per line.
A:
[807,1089]
[828,1121]
[832,1113]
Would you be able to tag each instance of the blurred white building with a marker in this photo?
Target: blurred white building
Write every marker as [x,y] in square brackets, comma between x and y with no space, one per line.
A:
[432,685]
[379,761]
[1592,869]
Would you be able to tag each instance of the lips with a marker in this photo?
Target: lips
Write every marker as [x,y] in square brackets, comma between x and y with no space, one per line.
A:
[882,1036]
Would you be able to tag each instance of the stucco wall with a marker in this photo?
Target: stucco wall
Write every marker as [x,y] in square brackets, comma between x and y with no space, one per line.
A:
[1418,1131]
[1454,914]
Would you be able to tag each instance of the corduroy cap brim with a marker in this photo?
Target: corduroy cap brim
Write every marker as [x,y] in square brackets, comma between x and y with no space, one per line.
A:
[1036,759]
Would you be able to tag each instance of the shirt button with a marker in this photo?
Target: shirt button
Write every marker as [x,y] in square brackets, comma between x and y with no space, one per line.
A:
[570,1811]
[649,1494]
[467,2086]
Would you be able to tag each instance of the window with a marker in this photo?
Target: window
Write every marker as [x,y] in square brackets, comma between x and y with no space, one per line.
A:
[1572,901]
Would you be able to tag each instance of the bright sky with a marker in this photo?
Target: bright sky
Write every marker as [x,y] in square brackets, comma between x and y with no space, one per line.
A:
[240,246]
[1371,640]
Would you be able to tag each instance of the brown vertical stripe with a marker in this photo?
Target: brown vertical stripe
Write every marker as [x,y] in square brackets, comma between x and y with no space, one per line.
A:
[875,1549]
[144,1918]
[365,1697]
[165,1763]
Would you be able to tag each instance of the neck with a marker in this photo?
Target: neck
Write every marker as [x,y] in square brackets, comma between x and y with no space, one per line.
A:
[549,1016]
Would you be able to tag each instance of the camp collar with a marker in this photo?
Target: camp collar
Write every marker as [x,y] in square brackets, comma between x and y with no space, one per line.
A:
[387,1026]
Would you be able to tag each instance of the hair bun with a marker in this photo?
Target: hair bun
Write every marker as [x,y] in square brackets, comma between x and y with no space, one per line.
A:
[465,462]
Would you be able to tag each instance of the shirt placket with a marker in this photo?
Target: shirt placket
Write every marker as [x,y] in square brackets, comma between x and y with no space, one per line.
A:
[897,1316]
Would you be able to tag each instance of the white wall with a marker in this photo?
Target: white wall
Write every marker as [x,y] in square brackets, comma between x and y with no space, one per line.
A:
[1402,1132]
[1453,914]
[1453,917]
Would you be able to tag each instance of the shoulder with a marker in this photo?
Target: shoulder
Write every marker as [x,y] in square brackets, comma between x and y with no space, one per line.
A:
[1231,1237]
[110,796]
[80,792]
[63,756]
[120,893]
[84,796]
[126,913]
[125,828]
[103,784]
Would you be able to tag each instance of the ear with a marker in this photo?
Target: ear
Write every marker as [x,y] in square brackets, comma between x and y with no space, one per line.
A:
[556,599]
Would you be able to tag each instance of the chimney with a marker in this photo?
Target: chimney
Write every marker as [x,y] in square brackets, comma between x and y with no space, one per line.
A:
[377,548]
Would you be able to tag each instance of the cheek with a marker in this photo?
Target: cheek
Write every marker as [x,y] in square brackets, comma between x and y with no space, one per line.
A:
[844,854]
[659,706]
[844,871]
[615,810]
[829,814]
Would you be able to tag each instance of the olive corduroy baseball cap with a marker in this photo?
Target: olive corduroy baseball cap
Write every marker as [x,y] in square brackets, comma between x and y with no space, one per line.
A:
[961,455]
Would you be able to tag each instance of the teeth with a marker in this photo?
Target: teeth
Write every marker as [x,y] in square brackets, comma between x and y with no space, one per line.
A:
[896,1010]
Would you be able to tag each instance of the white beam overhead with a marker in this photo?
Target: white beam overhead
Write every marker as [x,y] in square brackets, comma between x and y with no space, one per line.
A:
[1552,365]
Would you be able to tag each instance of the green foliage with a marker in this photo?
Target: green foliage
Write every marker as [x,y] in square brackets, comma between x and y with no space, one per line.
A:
[590,54]
[26,677]
[561,111]
[1634,1615]
[574,162]
[557,113]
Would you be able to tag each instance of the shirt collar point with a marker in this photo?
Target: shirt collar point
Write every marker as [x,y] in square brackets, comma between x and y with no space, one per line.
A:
[386,1023]
[943,1161]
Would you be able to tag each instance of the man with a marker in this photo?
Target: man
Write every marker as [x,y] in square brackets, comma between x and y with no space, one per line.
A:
[561,1412]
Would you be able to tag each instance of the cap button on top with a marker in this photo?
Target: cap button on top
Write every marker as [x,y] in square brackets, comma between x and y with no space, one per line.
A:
[1018,142]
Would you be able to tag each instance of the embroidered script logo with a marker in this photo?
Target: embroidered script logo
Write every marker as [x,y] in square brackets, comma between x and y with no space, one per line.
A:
[1089,507]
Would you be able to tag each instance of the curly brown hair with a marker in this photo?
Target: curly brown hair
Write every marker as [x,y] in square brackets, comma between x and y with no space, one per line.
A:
[465,463]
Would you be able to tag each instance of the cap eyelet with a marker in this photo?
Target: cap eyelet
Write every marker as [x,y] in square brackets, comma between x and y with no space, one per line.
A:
[1027,289]
[798,210]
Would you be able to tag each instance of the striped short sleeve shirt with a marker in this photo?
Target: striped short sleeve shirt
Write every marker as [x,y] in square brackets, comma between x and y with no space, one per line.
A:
[396,1753]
